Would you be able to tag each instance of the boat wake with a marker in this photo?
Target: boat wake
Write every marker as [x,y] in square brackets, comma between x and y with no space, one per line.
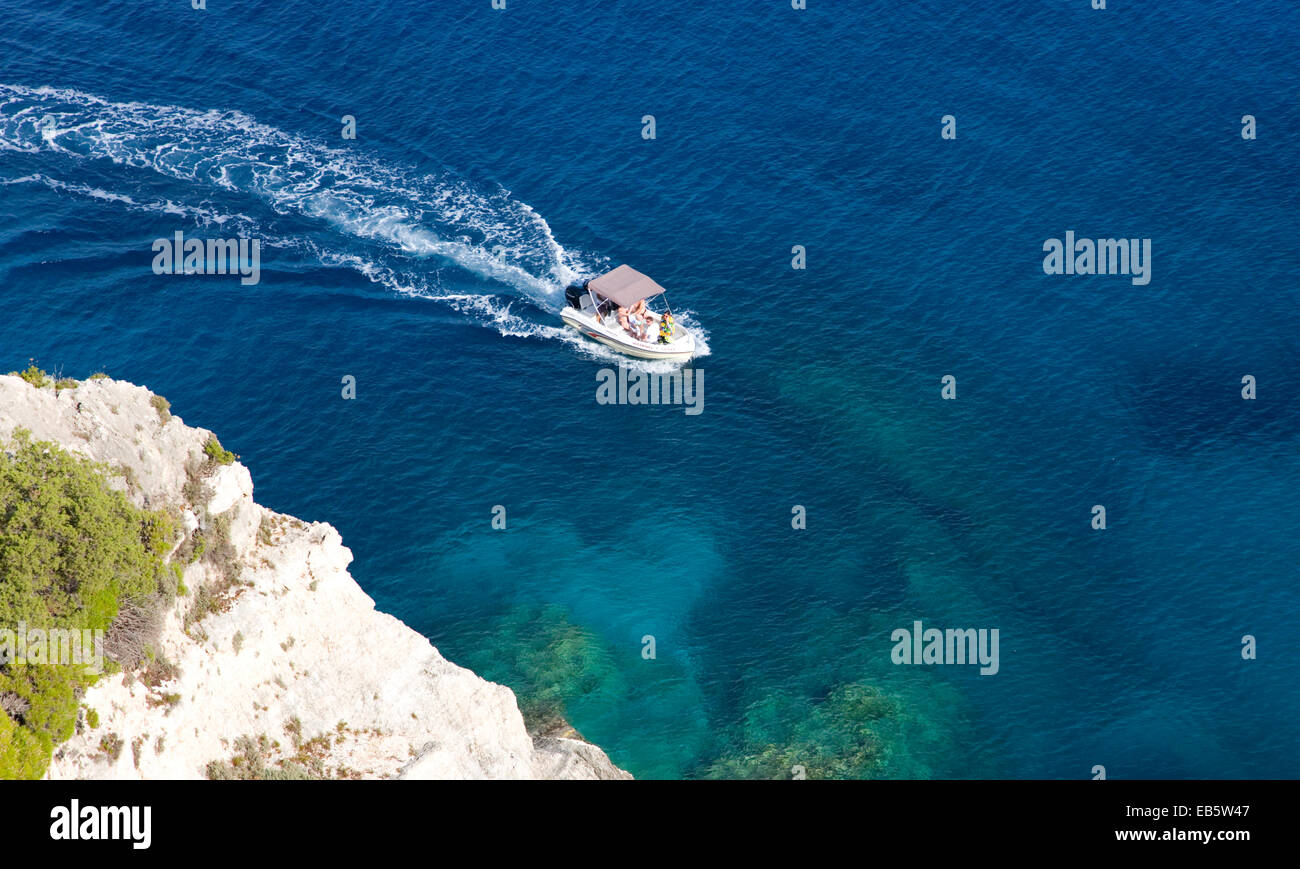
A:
[427,235]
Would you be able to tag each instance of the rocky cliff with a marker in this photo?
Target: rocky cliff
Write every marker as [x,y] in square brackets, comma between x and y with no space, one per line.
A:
[274,658]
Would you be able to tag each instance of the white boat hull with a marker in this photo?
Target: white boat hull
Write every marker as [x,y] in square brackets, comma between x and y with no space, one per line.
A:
[680,349]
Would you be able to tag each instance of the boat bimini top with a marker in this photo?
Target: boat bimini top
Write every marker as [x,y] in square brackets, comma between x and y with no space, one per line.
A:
[624,286]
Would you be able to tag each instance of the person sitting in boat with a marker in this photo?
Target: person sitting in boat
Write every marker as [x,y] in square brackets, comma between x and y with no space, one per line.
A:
[634,319]
[666,329]
[640,326]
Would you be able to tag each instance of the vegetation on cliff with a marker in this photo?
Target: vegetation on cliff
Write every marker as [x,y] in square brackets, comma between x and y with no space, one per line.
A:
[75,554]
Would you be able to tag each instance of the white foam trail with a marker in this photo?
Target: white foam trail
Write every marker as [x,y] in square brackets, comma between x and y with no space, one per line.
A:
[200,214]
[417,223]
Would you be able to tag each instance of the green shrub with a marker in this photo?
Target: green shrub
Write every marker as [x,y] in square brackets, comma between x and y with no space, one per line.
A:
[158,669]
[65,383]
[111,745]
[217,453]
[220,551]
[92,719]
[72,550]
[33,375]
[195,492]
[206,601]
[24,754]
[199,547]
[164,408]
[261,759]
[98,375]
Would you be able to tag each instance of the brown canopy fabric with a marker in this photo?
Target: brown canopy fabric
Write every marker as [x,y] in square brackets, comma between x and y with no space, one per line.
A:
[624,286]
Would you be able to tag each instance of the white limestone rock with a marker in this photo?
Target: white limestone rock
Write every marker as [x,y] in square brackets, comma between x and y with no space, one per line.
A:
[299,646]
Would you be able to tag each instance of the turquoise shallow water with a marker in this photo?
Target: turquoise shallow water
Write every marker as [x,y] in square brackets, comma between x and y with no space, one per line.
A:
[479,131]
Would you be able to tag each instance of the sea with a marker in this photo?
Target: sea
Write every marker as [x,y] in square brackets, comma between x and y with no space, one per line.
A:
[905,423]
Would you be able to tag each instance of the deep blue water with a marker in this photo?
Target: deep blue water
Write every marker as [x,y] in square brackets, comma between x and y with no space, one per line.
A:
[521,129]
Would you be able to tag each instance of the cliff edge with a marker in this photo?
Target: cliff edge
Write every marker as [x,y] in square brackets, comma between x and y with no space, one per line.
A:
[275,658]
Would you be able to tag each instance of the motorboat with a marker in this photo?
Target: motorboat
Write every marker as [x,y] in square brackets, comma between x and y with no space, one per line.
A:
[609,309]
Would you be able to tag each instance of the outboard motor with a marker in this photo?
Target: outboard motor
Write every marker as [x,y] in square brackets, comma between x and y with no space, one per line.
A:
[573,295]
